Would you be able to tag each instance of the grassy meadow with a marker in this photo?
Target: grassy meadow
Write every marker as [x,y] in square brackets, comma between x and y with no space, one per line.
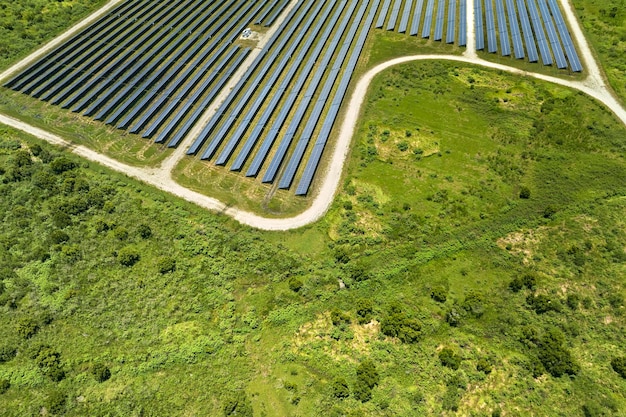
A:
[479,239]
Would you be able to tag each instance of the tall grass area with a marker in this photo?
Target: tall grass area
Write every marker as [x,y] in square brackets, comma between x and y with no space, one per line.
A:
[472,264]
[604,21]
[25,25]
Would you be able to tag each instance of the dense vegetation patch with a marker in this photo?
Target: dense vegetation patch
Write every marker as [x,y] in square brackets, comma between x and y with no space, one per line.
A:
[25,25]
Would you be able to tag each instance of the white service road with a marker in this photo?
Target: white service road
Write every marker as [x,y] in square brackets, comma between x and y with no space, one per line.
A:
[593,85]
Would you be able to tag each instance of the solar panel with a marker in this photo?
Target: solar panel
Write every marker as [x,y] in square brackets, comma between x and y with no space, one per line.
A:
[505,46]
[450,26]
[406,14]
[263,150]
[307,133]
[383,14]
[301,109]
[98,31]
[235,137]
[243,101]
[480,32]
[570,50]
[529,39]
[561,62]
[206,131]
[316,153]
[391,25]
[540,35]
[463,23]
[439,22]
[428,19]
[491,27]
[201,107]
[518,46]
[417,16]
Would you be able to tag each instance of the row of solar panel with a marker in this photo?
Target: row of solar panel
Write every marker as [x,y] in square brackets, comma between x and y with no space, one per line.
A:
[148,65]
[537,17]
[391,15]
[313,44]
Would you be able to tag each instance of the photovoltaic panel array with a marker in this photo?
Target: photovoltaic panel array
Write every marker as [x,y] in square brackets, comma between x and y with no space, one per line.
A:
[149,67]
[276,122]
[537,28]
[428,18]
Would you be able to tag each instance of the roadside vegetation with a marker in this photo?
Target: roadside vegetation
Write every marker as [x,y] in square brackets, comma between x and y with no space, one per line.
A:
[26,25]
[479,236]
[604,21]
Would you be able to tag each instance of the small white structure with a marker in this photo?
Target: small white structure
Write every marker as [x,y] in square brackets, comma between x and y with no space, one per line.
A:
[246,33]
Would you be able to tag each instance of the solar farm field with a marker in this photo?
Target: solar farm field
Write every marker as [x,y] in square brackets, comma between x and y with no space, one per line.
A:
[260,105]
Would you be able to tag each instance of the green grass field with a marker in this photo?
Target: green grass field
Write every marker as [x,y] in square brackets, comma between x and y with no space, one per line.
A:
[430,205]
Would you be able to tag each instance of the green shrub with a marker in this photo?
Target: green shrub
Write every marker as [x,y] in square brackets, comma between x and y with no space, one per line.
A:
[120,233]
[543,303]
[27,327]
[56,402]
[144,231]
[554,356]
[524,192]
[439,294]
[619,365]
[449,358]
[295,284]
[166,265]
[573,300]
[128,256]
[7,353]
[101,373]
[340,388]
[473,304]
[549,212]
[367,378]
[62,164]
[397,324]
[238,404]
[4,386]
[364,310]
[483,365]
[58,236]
[338,317]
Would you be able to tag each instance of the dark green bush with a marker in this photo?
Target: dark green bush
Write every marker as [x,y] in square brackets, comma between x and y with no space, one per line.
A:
[449,358]
[56,402]
[238,404]
[367,378]
[295,284]
[340,388]
[128,256]
[439,294]
[543,303]
[100,372]
[62,164]
[619,365]
[144,231]
[364,310]
[166,265]
[554,356]
[524,192]
[4,386]
[27,327]
[483,365]
[338,317]
[397,324]
[7,353]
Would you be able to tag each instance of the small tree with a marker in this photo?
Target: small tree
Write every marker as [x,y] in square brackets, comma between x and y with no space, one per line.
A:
[238,404]
[364,310]
[27,327]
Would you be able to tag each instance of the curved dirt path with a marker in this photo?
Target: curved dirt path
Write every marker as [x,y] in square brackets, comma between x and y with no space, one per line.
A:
[593,85]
